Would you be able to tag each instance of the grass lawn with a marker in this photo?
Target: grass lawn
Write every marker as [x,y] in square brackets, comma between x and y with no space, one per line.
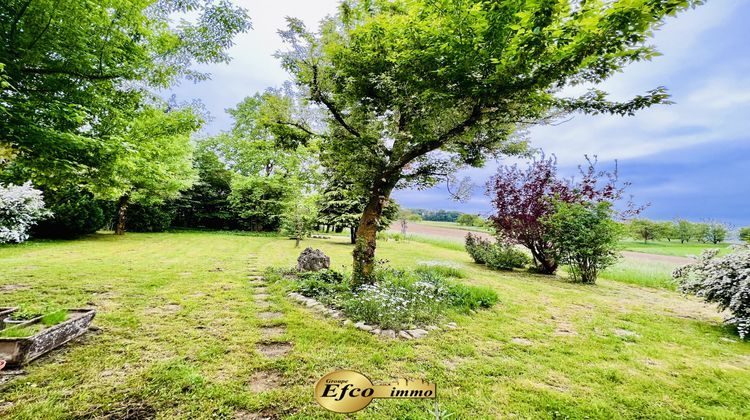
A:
[672,248]
[179,330]
[643,273]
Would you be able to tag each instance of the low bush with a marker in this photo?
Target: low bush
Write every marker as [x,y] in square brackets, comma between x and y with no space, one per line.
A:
[478,248]
[721,280]
[506,257]
[496,256]
[398,299]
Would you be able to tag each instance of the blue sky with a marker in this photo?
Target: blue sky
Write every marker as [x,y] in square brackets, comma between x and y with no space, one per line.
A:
[690,159]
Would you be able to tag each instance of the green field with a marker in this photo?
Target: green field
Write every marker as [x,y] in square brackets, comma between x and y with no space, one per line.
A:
[179,330]
[674,248]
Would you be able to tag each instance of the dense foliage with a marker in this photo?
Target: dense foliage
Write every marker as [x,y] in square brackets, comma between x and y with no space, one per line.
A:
[466,219]
[585,238]
[21,207]
[438,215]
[496,255]
[415,89]
[722,280]
[74,213]
[744,234]
[78,80]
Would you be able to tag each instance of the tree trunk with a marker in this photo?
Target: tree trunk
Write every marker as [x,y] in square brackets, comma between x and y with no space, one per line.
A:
[366,235]
[122,206]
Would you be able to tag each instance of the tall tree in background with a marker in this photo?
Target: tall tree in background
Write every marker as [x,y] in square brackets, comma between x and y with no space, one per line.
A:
[155,163]
[271,164]
[415,89]
[78,72]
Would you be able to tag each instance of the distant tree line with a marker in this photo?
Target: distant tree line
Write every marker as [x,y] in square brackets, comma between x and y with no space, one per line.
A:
[437,215]
[682,230]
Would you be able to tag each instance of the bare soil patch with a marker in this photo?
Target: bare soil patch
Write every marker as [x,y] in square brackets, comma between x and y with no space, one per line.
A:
[273,350]
[270,315]
[264,381]
[272,332]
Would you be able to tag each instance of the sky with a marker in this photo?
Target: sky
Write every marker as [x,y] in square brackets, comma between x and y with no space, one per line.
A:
[686,160]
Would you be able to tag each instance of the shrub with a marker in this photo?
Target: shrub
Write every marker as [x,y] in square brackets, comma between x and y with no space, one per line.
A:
[75,213]
[745,234]
[21,207]
[505,257]
[585,238]
[478,248]
[721,280]
[496,256]
[323,285]
[398,306]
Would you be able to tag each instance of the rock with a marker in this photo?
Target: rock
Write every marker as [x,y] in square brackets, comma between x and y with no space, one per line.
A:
[451,326]
[376,331]
[405,335]
[311,302]
[347,321]
[432,328]
[312,260]
[362,326]
[625,333]
[388,333]
[417,333]
[521,341]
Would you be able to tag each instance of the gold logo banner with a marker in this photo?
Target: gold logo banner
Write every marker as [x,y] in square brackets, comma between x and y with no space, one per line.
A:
[347,391]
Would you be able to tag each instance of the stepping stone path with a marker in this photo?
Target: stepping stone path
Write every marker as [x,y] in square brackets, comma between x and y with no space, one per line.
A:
[269,347]
[274,350]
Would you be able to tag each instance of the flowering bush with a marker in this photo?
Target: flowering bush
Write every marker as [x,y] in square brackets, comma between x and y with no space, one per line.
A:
[20,208]
[397,299]
[722,280]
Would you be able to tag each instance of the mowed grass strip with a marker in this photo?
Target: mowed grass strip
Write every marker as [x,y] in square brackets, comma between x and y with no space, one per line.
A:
[179,335]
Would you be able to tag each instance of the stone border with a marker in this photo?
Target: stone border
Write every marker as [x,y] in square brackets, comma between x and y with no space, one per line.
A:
[409,334]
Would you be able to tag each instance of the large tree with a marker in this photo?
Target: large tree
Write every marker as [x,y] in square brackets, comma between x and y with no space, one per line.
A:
[415,89]
[77,72]
[155,163]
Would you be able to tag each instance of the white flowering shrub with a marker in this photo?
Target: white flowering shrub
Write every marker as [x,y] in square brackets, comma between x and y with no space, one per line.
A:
[398,307]
[722,280]
[21,207]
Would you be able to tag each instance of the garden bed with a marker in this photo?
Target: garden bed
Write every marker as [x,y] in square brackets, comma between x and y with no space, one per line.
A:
[23,342]
[399,304]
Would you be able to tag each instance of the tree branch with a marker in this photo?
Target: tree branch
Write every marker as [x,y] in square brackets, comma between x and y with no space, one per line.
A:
[428,146]
[299,126]
[319,97]
[72,73]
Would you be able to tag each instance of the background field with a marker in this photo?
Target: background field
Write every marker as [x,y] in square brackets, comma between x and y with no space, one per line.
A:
[179,329]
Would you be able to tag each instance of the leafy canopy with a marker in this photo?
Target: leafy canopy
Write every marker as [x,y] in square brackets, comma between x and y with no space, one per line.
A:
[402,79]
